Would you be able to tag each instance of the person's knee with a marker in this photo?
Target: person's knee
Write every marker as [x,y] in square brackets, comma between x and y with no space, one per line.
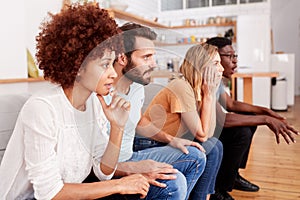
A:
[214,148]
[177,189]
[196,155]
[245,134]
[217,150]
[219,146]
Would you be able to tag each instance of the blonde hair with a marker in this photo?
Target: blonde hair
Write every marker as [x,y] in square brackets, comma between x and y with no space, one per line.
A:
[196,59]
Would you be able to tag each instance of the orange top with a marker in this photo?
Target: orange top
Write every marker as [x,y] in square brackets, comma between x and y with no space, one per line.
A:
[166,107]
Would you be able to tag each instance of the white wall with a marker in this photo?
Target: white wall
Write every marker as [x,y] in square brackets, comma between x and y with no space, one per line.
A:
[19,22]
[253,42]
[12,40]
[144,8]
[285,21]
[35,12]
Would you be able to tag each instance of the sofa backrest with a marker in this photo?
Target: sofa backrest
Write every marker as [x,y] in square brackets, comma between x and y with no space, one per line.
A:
[10,106]
[150,91]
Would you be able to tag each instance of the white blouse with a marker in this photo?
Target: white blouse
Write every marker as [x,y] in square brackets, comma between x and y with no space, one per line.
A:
[52,144]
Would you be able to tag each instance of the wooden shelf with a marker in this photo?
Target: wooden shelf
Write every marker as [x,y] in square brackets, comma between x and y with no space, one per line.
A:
[160,44]
[233,23]
[20,80]
[115,13]
[134,18]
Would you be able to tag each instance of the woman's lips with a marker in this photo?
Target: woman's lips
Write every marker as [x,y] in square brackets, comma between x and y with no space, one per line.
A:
[109,86]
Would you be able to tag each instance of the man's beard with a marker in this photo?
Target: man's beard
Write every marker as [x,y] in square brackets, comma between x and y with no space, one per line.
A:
[132,73]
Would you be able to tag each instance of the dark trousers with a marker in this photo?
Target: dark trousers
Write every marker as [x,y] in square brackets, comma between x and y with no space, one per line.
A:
[121,197]
[141,143]
[236,145]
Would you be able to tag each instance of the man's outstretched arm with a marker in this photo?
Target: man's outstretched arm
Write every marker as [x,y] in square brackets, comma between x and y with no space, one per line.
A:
[277,126]
[240,107]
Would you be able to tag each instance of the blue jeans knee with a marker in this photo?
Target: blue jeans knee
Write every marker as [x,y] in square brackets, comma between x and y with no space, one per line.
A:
[175,190]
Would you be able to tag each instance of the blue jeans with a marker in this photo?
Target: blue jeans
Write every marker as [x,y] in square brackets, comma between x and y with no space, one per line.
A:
[214,153]
[190,167]
[176,189]
[206,183]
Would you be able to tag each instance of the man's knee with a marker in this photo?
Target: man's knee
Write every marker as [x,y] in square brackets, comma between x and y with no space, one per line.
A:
[176,189]
[196,160]
[195,154]
[243,134]
[246,134]
[213,147]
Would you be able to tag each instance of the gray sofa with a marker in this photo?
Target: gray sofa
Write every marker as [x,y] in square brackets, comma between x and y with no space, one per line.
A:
[10,106]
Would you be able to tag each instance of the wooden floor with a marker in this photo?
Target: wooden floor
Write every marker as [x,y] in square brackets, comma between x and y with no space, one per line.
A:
[275,168]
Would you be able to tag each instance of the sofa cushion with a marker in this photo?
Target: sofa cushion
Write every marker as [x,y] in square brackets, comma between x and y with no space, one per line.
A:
[10,106]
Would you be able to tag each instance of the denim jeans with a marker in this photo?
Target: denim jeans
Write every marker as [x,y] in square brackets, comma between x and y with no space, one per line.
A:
[206,183]
[190,167]
[214,153]
[175,190]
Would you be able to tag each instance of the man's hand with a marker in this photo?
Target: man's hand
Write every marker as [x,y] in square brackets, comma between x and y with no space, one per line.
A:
[153,170]
[281,127]
[181,144]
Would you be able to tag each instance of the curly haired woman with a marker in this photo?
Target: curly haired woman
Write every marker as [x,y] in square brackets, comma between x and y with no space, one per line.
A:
[61,132]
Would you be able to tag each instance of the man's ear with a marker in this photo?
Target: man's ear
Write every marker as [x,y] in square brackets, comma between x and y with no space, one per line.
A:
[122,59]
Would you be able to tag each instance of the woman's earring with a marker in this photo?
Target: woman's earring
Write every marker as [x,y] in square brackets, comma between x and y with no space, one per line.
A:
[78,77]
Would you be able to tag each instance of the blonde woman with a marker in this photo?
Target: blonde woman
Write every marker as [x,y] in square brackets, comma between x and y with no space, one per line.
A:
[186,108]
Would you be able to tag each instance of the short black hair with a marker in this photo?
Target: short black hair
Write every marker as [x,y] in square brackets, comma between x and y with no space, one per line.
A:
[219,42]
